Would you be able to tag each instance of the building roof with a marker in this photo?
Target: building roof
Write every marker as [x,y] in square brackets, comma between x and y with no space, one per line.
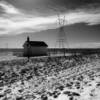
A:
[37,43]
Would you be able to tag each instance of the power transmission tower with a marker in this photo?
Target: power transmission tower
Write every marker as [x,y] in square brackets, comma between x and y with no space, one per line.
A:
[61,42]
[61,38]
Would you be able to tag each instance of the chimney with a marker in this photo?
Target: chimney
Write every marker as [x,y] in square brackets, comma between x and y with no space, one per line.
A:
[28,39]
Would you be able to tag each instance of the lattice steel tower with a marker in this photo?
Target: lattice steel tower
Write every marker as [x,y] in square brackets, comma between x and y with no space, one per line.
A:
[61,41]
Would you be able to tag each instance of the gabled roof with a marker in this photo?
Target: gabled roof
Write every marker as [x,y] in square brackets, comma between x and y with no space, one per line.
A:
[37,43]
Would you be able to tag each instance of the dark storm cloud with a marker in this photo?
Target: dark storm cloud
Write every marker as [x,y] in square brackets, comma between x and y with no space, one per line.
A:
[42,6]
[76,3]
[40,15]
[67,3]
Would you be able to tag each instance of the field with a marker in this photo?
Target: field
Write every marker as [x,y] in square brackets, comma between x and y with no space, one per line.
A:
[50,78]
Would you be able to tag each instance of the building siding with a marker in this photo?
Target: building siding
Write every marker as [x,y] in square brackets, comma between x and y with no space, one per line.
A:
[35,51]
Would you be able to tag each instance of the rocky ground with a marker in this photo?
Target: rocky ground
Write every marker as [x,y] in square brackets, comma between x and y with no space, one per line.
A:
[58,78]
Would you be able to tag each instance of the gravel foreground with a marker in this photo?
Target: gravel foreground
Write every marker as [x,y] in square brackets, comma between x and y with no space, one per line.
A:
[53,78]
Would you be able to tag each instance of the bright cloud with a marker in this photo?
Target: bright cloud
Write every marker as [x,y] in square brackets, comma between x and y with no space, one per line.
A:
[82,17]
[14,21]
[8,8]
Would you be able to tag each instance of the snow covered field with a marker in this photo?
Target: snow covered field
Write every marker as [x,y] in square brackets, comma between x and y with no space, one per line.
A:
[55,78]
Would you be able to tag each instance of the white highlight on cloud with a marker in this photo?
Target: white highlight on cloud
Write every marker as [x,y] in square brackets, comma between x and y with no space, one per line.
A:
[8,8]
[18,22]
[83,17]
[36,24]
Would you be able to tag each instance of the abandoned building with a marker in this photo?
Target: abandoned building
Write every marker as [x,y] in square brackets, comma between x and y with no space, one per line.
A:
[34,48]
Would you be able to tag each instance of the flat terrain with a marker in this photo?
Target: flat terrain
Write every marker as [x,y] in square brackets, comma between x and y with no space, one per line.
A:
[53,78]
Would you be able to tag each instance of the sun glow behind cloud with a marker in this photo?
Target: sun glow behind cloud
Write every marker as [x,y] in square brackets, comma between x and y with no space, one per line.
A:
[15,21]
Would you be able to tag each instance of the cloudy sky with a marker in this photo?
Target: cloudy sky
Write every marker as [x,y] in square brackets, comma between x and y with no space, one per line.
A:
[82,21]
